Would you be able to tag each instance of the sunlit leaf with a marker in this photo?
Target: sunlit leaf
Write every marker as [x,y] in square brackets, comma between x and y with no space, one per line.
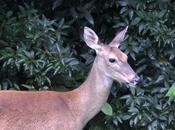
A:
[171,91]
[107,109]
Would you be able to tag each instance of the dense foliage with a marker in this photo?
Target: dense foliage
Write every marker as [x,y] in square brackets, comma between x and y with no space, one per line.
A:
[41,47]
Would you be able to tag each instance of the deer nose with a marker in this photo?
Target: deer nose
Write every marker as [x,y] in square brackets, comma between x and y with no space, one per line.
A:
[135,80]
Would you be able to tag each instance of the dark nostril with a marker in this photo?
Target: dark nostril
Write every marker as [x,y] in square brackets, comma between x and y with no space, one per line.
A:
[137,78]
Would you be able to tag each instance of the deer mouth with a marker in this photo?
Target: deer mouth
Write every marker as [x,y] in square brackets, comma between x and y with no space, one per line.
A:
[134,81]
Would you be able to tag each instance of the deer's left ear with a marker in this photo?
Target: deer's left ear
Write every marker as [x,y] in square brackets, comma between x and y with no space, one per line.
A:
[91,39]
[118,38]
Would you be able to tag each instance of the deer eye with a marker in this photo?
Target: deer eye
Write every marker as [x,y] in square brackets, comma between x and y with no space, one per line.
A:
[112,60]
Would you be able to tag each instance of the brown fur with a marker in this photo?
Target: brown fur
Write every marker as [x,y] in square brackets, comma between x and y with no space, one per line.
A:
[38,110]
[120,55]
[48,110]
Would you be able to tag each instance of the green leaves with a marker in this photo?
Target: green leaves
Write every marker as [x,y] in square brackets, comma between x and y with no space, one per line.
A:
[107,109]
[171,91]
[33,51]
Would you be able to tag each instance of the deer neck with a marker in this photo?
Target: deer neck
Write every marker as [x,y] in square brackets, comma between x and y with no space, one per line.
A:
[95,90]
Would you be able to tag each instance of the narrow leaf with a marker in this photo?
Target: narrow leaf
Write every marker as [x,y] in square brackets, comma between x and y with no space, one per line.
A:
[171,91]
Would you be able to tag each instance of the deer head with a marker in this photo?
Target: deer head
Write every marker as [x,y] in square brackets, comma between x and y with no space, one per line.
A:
[112,61]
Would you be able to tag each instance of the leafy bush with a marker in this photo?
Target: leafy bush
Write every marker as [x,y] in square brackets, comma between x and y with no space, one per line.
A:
[32,52]
[35,51]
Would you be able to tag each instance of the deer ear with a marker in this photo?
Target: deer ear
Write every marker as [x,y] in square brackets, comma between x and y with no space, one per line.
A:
[118,38]
[91,39]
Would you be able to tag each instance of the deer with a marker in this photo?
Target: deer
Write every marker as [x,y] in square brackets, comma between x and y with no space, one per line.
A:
[70,110]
